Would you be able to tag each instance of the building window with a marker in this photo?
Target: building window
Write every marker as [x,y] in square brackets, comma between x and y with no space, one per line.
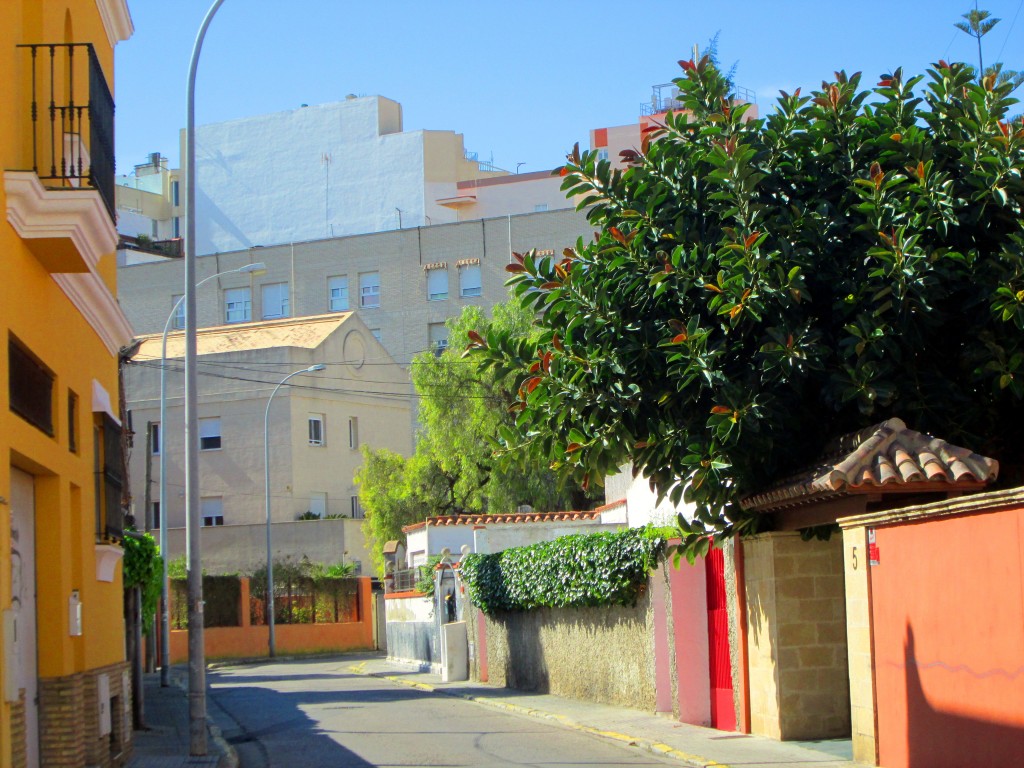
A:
[540,207]
[178,323]
[353,432]
[437,284]
[375,332]
[30,388]
[337,293]
[469,280]
[357,508]
[316,429]
[154,438]
[275,301]
[237,305]
[174,194]
[369,290]
[318,503]
[72,422]
[602,154]
[109,473]
[438,336]
[156,514]
[176,226]
[212,510]
[209,434]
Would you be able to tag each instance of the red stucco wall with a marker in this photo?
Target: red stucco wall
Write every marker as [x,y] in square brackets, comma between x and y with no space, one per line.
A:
[948,626]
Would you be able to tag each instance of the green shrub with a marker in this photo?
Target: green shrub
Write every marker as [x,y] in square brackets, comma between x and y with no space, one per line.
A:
[572,571]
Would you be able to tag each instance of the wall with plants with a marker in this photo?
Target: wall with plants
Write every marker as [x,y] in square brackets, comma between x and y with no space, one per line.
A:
[580,570]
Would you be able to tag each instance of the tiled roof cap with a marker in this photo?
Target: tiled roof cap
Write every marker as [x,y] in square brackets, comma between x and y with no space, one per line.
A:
[509,517]
[885,457]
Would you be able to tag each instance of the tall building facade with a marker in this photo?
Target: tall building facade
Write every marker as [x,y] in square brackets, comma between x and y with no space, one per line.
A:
[318,172]
[403,284]
[64,680]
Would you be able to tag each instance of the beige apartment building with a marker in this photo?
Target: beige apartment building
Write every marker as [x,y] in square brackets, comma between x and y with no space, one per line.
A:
[402,284]
[318,422]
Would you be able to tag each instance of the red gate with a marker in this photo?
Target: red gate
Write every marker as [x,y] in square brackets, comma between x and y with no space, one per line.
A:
[723,713]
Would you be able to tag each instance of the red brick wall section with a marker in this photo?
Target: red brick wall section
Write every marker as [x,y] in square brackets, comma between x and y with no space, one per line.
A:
[18,751]
[61,730]
[69,720]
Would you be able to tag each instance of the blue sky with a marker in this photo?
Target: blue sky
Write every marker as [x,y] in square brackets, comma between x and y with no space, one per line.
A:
[522,80]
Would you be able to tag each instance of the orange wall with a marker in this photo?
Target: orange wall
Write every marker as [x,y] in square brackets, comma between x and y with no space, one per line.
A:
[948,624]
[250,642]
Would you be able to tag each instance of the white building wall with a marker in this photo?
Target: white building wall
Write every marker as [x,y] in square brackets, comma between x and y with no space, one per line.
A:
[318,171]
[496,538]
[642,505]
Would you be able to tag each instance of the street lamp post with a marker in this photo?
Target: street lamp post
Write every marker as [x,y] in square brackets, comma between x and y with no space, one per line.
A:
[266,486]
[161,446]
[196,650]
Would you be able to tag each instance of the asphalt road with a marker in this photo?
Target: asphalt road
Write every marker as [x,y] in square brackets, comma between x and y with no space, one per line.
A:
[317,714]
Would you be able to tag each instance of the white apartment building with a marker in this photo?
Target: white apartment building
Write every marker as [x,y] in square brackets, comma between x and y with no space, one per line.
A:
[318,421]
[403,284]
[322,171]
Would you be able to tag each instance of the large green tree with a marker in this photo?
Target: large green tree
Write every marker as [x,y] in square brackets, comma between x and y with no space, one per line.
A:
[462,410]
[757,287]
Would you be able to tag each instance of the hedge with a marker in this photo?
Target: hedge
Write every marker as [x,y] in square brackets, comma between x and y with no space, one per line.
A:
[570,572]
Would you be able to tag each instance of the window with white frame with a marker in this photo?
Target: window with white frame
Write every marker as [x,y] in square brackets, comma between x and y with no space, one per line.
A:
[275,300]
[357,508]
[437,284]
[438,336]
[209,434]
[178,323]
[176,226]
[175,196]
[318,503]
[540,207]
[212,510]
[337,293]
[316,429]
[469,280]
[353,432]
[154,438]
[369,290]
[237,305]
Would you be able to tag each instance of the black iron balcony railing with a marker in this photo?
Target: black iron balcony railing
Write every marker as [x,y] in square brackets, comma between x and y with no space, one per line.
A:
[71,99]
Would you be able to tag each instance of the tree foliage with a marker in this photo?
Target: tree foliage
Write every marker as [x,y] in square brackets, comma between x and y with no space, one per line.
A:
[143,568]
[462,412]
[757,287]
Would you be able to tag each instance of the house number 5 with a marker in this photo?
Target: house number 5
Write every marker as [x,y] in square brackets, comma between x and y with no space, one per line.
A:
[854,558]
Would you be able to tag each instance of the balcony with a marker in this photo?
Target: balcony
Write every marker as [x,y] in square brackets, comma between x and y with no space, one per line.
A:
[60,196]
[71,100]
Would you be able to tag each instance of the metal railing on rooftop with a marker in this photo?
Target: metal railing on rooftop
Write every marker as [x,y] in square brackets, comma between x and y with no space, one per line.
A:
[70,97]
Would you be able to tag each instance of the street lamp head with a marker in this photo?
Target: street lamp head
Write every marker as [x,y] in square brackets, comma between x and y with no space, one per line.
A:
[259,268]
[315,368]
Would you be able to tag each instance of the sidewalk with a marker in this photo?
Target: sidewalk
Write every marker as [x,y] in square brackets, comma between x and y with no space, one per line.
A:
[165,742]
[690,744]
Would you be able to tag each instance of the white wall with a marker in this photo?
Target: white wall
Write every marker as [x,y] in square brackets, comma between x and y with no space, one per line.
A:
[495,538]
[642,505]
[318,171]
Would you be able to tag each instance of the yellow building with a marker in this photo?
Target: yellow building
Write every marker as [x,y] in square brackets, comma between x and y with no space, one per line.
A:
[63,677]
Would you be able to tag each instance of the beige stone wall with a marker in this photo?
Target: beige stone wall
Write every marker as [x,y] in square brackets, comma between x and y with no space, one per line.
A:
[796,614]
[596,654]
[858,627]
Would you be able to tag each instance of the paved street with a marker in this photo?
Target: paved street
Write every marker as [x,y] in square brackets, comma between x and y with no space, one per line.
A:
[317,713]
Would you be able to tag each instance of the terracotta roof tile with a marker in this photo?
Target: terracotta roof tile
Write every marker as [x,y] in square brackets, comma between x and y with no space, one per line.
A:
[500,518]
[888,456]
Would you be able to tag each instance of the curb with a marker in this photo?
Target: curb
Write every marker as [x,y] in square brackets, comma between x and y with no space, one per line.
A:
[228,754]
[692,761]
